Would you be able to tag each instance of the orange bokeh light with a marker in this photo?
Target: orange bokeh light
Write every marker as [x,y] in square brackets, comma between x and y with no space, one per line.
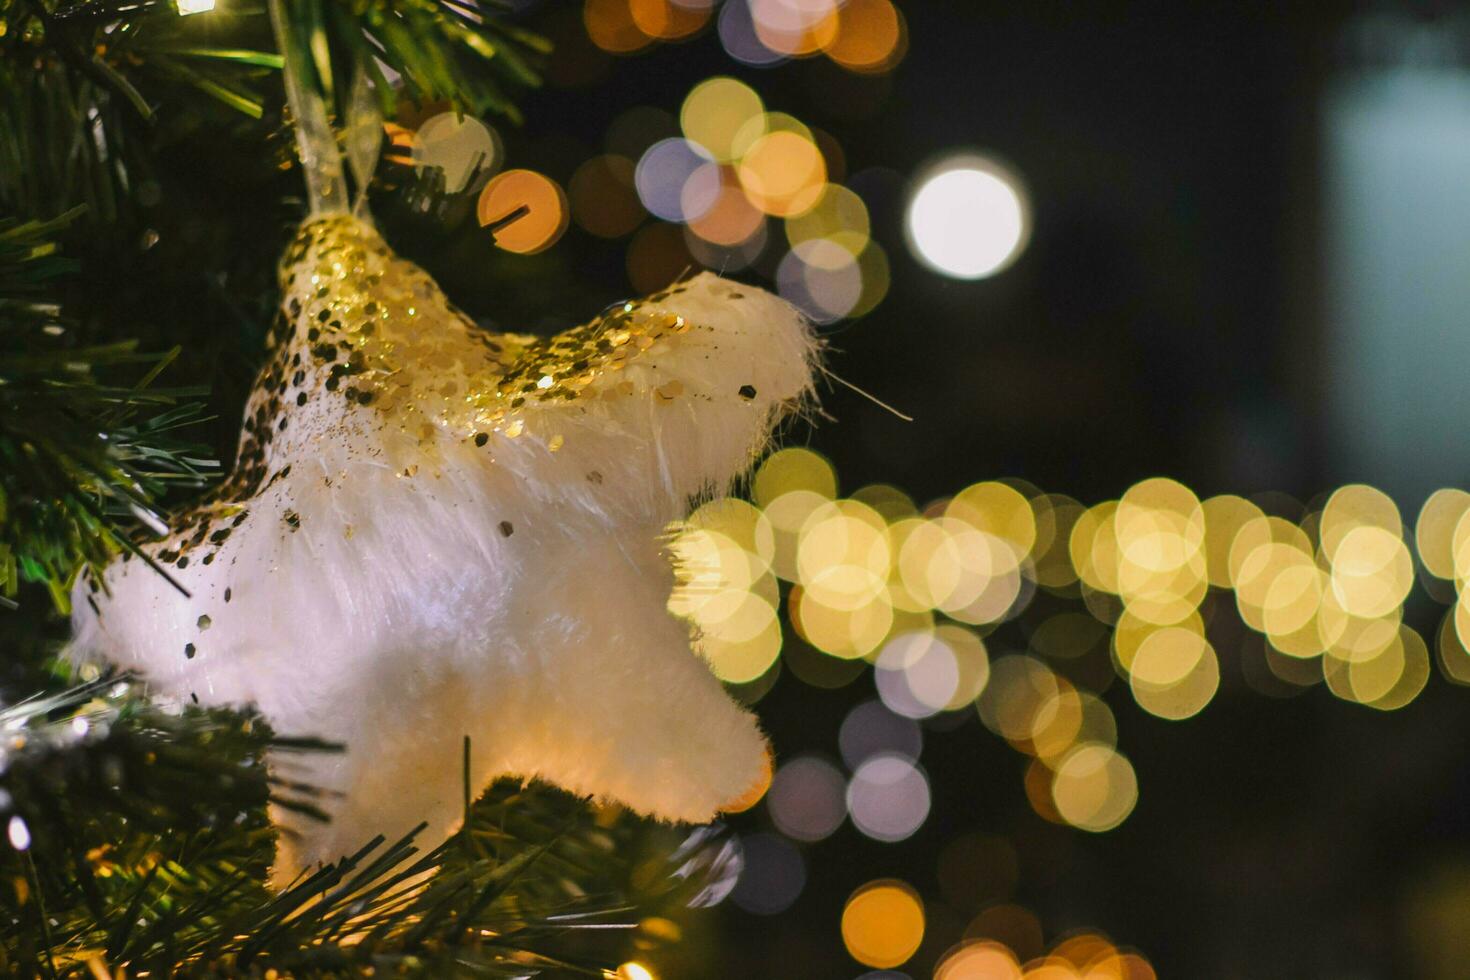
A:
[665,20]
[870,36]
[783,174]
[547,212]
[611,26]
[732,219]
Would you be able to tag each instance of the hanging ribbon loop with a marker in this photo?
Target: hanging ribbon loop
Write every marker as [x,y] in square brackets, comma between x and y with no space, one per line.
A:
[321,158]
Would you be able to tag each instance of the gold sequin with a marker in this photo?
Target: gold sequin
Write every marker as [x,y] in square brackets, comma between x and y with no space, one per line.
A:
[361,324]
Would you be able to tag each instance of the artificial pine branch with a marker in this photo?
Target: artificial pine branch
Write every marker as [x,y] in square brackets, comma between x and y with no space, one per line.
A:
[80,459]
[144,845]
[81,81]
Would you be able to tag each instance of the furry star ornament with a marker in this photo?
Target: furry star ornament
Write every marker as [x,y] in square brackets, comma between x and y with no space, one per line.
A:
[433,532]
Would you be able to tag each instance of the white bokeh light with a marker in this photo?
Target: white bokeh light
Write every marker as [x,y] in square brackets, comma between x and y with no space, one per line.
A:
[888,797]
[969,218]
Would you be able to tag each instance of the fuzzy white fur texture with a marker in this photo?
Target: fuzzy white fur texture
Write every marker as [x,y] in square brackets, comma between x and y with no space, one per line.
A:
[434,533]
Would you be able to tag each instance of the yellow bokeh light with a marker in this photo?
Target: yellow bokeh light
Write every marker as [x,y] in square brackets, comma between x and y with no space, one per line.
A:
[1259,532]
[633,970]
[1434,532]
[1349,638]
[1353,507]
[1454,656]
[1056,723]
[1094,547]
[843,633]
[716,111]
[929,561]
[1018,689]
[1051,969]
[1167,656]
[1291,599]
[1131,632]
[1055,517]
[843,555]
[990,576]
[889,501]
[1225,515]
[999,510]
[1094,788]
[839,216]
[1371,570]
[1185,696]
[883,924]
[1275,577]
[1412,674]
[737,520]
[872,266]
[788,514]
[1084,950]
[743,646]
[972,661]
[793,469]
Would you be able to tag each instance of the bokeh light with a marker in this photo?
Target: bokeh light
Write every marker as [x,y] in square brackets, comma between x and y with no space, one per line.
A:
[888,797]
[870,729]
[783,173]
[870,38]
[1094,788]
[968,218]
[673,181]
[610,26]
[772,875]
[807,799]
[604,199]
[546,217]
[716,114]
[730,172]
[883,923]
[459,145]
[666,20]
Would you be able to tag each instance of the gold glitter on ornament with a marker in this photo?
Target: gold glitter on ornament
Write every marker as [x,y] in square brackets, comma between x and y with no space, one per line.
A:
[351,326]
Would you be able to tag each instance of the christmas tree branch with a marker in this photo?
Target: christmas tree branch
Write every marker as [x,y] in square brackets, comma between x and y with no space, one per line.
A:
[80,80]
[80,459]
[138,841]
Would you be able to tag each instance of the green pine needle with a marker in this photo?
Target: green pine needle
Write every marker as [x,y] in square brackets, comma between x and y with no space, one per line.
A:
[81,459]
[149,845]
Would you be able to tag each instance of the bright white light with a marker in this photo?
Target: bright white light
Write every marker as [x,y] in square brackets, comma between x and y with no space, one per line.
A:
[187,7]
[19,833]
[969,218]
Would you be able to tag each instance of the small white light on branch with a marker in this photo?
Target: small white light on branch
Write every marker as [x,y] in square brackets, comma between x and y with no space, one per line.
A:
[19,833]
[187,7]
